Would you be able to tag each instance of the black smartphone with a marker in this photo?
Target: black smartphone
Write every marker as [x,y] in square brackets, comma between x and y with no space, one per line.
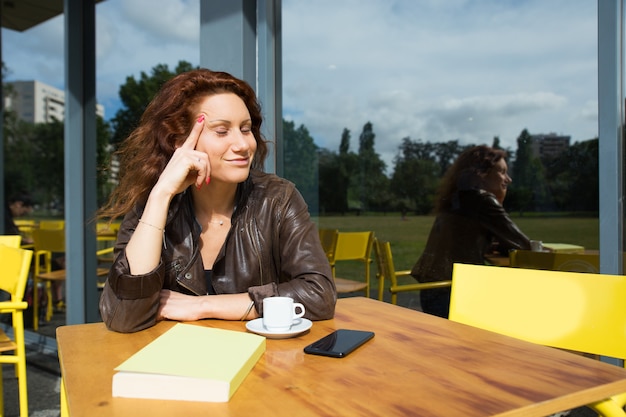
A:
[339,343]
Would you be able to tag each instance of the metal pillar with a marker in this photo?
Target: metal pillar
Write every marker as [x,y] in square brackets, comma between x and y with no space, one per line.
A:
[243,38]
[270,79]
[228,37]
[80,161]
[611,138]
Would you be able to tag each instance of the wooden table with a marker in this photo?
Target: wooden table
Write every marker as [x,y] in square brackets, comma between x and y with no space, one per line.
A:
[417,365]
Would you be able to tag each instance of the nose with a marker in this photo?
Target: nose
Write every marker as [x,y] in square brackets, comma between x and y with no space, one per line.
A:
[240,142]
[508,179]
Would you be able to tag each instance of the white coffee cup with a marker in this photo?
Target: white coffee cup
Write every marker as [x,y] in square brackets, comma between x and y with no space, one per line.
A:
[536,245]
[279,313]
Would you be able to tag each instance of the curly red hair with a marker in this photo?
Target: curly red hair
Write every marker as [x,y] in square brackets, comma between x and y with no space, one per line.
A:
[164,126]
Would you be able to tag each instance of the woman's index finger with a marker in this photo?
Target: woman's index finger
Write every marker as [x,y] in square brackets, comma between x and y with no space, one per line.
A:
[194,135]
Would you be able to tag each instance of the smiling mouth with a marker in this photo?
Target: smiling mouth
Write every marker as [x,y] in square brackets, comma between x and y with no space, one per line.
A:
[239,161]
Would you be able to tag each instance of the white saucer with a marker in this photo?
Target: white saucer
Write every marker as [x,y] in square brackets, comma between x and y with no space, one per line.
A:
[300,326]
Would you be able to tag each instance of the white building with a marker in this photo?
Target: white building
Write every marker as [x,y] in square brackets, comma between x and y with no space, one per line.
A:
[36,102]
[549,145]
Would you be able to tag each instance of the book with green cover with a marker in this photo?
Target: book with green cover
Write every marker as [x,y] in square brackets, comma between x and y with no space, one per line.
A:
[189,363]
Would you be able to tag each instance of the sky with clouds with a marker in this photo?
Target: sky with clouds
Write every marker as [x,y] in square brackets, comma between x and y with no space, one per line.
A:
[430,70]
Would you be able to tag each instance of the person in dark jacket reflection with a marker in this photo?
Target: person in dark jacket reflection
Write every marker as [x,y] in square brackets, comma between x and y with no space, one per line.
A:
[206,233]
[470,222]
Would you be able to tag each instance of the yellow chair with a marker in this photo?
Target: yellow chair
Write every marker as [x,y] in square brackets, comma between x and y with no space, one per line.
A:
[13,279]
[46,242]
[328,239]
[25,223]
[13,241]
[104,256]
[568,310]
[26,228]
[353,246]
[387,270]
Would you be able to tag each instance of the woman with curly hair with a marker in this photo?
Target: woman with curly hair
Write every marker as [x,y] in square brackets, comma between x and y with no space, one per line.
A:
[207,234]
[470,222]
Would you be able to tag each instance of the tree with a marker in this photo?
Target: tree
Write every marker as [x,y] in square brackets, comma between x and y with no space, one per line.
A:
[370,185]
[301,163]
[574,183]
[528,190]
[446,153]
[333,185]
[335,171]
[136,94]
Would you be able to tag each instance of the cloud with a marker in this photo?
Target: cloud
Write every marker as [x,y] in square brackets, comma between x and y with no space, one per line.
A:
[438,71]
[429,69]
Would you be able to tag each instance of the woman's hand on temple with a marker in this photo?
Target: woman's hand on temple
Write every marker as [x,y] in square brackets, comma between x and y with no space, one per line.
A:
[187,166]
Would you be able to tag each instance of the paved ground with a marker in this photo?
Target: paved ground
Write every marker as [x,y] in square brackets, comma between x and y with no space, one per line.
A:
[43,373]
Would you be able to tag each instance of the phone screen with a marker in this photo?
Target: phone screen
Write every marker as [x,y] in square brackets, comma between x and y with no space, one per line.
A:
[339,343]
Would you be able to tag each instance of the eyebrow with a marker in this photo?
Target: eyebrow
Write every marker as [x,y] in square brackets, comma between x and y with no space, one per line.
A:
[226,121]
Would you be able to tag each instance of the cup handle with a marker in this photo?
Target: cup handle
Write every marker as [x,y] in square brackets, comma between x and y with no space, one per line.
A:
[295,307]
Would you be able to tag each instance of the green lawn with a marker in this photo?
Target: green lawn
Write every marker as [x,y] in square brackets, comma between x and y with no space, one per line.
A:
[408,237]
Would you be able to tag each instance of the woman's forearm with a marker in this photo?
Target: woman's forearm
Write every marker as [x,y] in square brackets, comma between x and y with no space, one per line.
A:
[143,250]
[182,307]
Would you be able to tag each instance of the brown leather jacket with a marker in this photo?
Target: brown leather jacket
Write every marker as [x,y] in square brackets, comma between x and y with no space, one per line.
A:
[465,234]
[272,248]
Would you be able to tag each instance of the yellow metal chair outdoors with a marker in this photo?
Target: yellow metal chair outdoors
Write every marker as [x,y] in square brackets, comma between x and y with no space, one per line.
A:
[13,279]
[387,270]
[46,242]
[568,310]
[106,235]
[13,241]
[26,229]
[353,246]
[104,256]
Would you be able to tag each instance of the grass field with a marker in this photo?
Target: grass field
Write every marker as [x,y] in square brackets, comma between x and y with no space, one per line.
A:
[408,237]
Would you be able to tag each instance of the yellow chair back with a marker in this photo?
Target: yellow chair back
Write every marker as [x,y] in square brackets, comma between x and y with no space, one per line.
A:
[353,246]
[52,240]
[52,224]
[13,279]
[569,310]
[26,227]
[13,241]
[14,271]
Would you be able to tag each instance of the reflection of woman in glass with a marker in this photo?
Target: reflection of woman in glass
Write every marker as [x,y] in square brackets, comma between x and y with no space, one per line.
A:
[470,222]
